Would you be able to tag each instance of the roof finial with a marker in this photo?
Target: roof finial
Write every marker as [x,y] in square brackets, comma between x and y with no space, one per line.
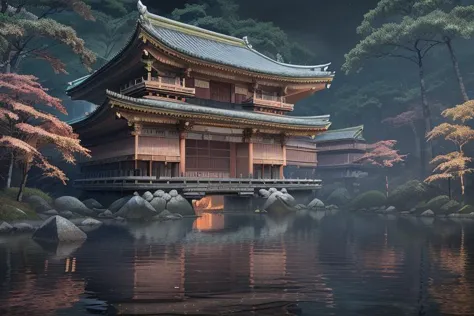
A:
[142,9]
[246,41]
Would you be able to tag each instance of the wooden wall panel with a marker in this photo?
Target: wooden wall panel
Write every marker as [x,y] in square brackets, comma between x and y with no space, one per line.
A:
[301,157]
[268,153]
[159,147]
[116,148]
[338,159]
[242,160]
[205,158]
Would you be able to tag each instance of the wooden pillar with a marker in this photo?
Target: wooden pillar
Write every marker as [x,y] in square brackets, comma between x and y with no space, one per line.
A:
[263,171]
[182,154]
[136,134]
[233,161]
[250,158]
[150,169]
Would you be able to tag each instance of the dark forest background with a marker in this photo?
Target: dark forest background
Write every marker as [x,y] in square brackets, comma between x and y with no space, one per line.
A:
[299,32]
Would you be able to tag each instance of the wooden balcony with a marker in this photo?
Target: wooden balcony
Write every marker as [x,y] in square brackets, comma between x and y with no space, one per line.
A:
[164,85]
[269,101]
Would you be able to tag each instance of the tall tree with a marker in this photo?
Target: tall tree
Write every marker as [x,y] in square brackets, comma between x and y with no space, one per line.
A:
[24,34]
[454,164]
[398,40]
[441,21]
[26,130]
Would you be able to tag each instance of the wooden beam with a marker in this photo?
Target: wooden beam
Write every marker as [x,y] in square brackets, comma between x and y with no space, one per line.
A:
[250,159]
[233,160]
[182,154]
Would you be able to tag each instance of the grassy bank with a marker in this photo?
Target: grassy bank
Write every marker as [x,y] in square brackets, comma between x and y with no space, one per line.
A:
[9,204]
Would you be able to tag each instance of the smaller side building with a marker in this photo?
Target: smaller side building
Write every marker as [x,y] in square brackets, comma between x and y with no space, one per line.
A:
[337,152]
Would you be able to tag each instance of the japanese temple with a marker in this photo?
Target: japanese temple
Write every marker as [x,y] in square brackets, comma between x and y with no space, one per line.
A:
[183,103]
[338,151]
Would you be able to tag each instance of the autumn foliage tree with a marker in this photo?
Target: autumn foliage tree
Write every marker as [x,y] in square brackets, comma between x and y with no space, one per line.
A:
[26,130]
[454,164]
[382,154]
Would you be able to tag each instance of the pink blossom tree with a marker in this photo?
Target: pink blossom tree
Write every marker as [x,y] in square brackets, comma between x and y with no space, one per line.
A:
[26,130]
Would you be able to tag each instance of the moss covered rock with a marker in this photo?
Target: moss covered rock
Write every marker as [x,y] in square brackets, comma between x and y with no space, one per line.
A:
[436,203]
[27,192]
[408,195]
[339,197]
[450,207]
[369,199]
[466,209]
[11,213]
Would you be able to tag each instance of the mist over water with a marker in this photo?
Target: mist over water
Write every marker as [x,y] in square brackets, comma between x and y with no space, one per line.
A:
[319,263]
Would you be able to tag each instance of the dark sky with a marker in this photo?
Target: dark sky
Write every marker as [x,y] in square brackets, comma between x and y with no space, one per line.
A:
[325,26]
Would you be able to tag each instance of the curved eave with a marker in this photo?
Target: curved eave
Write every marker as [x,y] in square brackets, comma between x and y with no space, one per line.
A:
[208,114]
[147,35]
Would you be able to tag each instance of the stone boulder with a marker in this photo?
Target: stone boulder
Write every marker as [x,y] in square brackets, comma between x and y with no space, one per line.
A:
[67,214]
[159,193]
[106,214]
[159,204]
[70,203]
[137,209]
[390,209]
[147,196]
[272,190]
[167,197]
[51,212]
[436,203]
[59,229]
[167,215]
[92,204]
[91,222]
[279,202]
[39,204]
[427,213]
[173,193]
[264,193]
[5,228]
[118,204]
[316,204]
[23,227]
[179,205]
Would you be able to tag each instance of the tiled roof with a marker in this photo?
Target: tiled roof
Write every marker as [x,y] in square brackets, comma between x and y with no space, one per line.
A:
[321,121]
[353,133]
[224,50]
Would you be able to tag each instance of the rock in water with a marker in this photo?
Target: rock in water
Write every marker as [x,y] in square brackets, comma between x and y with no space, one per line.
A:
[167,197]
[67,214]
[23,227]
[117,205]
[91,203]
[106,214]
[137,208]
[147,196]
[51,212]
[159,204]
[264,193]
[91,222]
[173,193]
[58,228]
[159,193]
[38,203]
[70,203]
[427,213]
[316,204]
[279,202]
[5,228]
[167,215]
[179,205]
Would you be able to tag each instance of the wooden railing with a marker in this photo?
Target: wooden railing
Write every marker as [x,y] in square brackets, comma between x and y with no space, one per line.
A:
[194,187]
[165,84]
[270,101]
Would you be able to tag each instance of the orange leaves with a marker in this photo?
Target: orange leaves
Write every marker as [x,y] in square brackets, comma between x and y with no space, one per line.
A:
[7,114]
[56,63]
[382,154]
[458,134]
[463,112]
[451,165]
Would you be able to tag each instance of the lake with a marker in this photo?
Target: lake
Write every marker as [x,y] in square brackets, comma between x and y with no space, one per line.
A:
[320,263]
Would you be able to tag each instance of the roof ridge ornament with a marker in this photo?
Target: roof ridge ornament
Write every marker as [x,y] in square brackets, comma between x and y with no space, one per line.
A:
[143,12]
[246,41]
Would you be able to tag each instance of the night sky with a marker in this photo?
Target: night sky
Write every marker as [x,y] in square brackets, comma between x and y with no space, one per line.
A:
[327,27]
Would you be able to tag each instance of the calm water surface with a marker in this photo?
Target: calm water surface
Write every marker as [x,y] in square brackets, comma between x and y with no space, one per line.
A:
[316,264]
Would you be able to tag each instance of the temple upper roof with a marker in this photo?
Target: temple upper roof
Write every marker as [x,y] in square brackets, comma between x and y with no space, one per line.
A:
[350,133]
[222,49]
[202,45]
